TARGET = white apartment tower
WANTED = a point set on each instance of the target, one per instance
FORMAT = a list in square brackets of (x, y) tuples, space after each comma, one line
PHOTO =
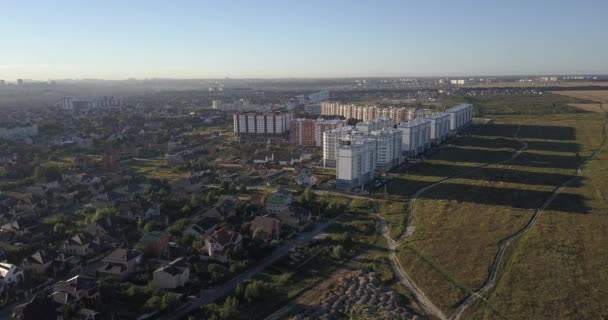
[(440, 126), (261, 123), (388, 148), (460, 116), (356, 163)]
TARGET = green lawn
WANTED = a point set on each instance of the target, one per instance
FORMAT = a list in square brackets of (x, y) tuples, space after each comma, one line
[(156, 169)]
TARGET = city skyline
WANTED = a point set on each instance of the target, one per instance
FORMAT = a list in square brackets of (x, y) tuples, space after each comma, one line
[(211, 40)]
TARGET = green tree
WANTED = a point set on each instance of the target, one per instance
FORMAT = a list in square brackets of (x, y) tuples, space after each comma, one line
[(337, 252), (59, 228), (153, 226), (254, 291), (168, 301), (230, 308)]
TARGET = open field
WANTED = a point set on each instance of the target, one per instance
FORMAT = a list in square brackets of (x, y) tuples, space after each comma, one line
[(558, 270), (459, 224), (601, 96), (518, 104), (156, 169)]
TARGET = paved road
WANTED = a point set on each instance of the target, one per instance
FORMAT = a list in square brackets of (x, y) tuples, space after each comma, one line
[(211, 295), (507, 242)]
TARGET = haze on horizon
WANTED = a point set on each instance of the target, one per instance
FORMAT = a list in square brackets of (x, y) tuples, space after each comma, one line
[(306, 39)]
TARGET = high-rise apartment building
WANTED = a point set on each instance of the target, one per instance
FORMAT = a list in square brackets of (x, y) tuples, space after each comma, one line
[(302, 132), (356, 163), (389, 147), (261, 123), (460, 116), (440, 126)]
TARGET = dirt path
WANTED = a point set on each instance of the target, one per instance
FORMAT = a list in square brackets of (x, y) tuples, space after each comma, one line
[(420, 296), (507, 242)]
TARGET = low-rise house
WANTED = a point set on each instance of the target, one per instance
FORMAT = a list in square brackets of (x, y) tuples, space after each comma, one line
[(76, 289), (265, 227), (121, 262), (295, 217), (21, 226), (306, 179), (10, 274), (155, 243), (222, 241), (278, 201), (39, 263), (107, 229), (203, 228), (174, 275), (82, 244), (227, 177), (224, 208)]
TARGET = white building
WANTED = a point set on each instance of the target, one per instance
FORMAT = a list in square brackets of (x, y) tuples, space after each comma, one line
[(261, 123), (216, 104), (460, 116), (372, 125), (174, 275), (321, 126), (356, 162), (330, 144), (440, 126), (10, 274), (388, 148), (416, 136)]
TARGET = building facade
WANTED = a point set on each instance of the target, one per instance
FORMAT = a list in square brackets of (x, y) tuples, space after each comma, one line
[(440, 126), (356, 162), (388, 148), (302, 132), (261, 123), (460, 116)]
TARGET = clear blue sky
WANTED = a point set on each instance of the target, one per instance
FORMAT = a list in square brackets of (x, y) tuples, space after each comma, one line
[(305, 38)]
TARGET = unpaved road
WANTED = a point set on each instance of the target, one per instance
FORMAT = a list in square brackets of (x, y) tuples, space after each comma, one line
[(507, 242)]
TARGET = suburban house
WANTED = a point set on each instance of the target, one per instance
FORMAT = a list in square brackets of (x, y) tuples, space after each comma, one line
[(265, 227), (75, 289), (225, 207), (21, 226), (174, 275), (155, 243), (104, 228), (82, 244), (203, 227), (121, 262), (39, 263), (295, 217), (223, 240), (10, 274), (278, 200)]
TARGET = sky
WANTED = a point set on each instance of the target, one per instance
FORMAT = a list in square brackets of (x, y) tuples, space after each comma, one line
[(306, 38)]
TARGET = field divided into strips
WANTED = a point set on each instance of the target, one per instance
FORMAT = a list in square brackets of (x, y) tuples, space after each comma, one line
[(558, 270), (460, 223), (599, 96)]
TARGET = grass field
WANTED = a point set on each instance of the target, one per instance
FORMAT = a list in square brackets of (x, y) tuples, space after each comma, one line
[(156, 169), (533, 104), (599, 96), (460, 223), (558, 270)]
